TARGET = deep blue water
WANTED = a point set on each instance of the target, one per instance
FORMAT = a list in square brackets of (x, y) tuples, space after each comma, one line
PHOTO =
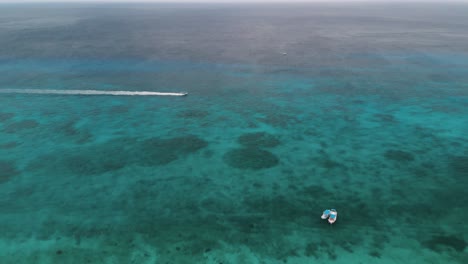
[(292, 109)]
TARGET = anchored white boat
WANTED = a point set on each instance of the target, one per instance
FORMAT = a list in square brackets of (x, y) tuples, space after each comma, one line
[(331, 215)]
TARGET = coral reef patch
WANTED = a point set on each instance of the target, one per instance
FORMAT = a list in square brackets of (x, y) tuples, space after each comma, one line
[(250, 158), (259, 139), (440, 243), (7, 170), (118, 153), (398, 155), (6, 116), (20, 125)]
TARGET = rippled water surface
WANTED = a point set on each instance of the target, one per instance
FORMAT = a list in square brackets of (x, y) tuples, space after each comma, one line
[(292, 109)]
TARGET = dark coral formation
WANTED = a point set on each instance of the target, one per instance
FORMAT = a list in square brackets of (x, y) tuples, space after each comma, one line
[(156, 151), (399, 155), (96, 159), (6, 116), (100, 162), (20, 125), (252, 155), (375, 254), (7, 170), (440, 243), (386, 118), (193, 114), (459, 165), (9, 145), (119, 109), (259, 140), (330, 164), (250, 158), (80, 136), (118, 153), (278, 120)]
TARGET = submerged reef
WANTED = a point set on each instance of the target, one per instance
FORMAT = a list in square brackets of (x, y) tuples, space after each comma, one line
[(9, 145), (278, 120), (198, 114), (440, 243), (7, 170), (156, 151), (118, 153), (252, 155), (20, 125), (259, 139), (459, 165), (250, 158), (6, 116), (398, 155)]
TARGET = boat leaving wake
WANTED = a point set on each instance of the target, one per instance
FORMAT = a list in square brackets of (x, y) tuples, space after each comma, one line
[(89, 92)]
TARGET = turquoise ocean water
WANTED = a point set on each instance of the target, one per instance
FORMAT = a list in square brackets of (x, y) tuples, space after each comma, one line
[(291, 110)]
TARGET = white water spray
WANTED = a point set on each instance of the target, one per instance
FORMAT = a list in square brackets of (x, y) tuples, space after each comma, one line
[(89, 92)]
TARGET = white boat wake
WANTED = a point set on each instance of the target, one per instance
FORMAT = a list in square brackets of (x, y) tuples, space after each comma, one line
[(89, 92)]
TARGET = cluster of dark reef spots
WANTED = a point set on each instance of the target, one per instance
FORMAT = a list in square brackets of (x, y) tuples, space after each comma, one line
[(116, 154), (182, 240), (280, 250), (101, 163), (315, 191), (455, 194), (119, 109), (441, 243), (386, 118), (94, 159), (312, 249), (218, 204), (100, 158), (378, 244), (81, 165), (320, 249), (20, 126), (250, 228), (278, 120), (192, 114), (156, 151), (283, 209), (9, 145), (250, 158), (375, 253), (6, 116), (7, 170), (259, 140), (459, 165), (398, 155), (69, 129), (252, 155), (329, 164)]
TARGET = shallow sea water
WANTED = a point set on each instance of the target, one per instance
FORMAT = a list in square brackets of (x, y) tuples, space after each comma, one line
[(291, 110)]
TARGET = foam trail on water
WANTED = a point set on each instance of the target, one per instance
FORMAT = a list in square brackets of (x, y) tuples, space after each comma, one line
[(89, 92)]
